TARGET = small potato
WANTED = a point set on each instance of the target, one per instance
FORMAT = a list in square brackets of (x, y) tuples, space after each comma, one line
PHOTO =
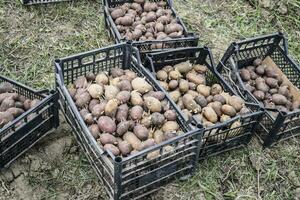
[(136, 112), (116, 72), (183, 86), (115, 81), (157, 94), (260, 70), (5, 118), (262, 86), (201, 100), (16, 112), (200, 68), (146, 121), (125, 148), (173, 84), (193, 93), (244, 110), (136, 99), (210, 114), (111, 92), (88, 119), (203, 90), (217, 107), (194, 78), (183, 67), (273, 91), (190, 104), (170, 115), (279, 99), (106, 138), (153, 155), (13, 96), (170, 135), (224, 118), (148, 143), (245, 74), (270, 72), (95, 131), (192, 86), (253, 75), (35, 102), (168, 68), (236, 102), (219, 98), (283, 90), (122, 128), (124, 85), (216, 89), (165, 105), (175, 95), (95, 91), (158, 136), (164, 85), (260, 95), (187, 114), (6, 104), (27, 104), (92, 103), (174, 75), (257, 62), (106, 124), (90, 76), (141, 85), (6, 87), (161, 75), (272, 82), (111, 107), (157, 119), (123, 96), (80, 82), (228, 110), (170, 126), (141, 132), (153, 104), (209, 99), (132, 75), (117, 13), (112, 148)]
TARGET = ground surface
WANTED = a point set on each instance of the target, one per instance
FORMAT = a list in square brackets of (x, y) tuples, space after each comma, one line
[(30, 39)]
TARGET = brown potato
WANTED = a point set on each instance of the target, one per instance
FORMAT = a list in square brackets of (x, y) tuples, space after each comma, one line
[(106, 124), (194, 78), (236, 102), (148, 143), (111, 92), (193, 93), (279, 99), (183, 86), (174, 75), (106, 138), (170, 115), (245, 74), (153, 104), (117, 13), (219, 98), (80, 82), (216, 89), (203, 90), (183, 67), (141, 85), (228, 110), (111, 107), (200, 68), (260, 95), (175, 95), (224, 118), (5, 118), (123, 96), (157, 119), (173, 84), (136, 99), (257, 62), (190, 104), (170, 126), (272, 82), (95, 131), (201, 100), (122, 127), (157, 94), (158, 136), (136, 112), (112, 148), (260, 70), (6, 104), (125, 148), (92, 103), (161, 75), (217, 107), (210, 114), (95, 91), (283, 90), (141, 132), (6, 87)]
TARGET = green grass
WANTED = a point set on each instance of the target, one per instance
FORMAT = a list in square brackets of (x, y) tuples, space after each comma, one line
[(32, 37)]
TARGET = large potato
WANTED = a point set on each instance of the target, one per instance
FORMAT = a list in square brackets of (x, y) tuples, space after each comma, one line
[(107, 124), (141, 85), (153, 104), (210, 114)]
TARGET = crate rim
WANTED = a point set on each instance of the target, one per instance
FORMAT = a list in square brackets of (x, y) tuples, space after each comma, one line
[(117, 159)]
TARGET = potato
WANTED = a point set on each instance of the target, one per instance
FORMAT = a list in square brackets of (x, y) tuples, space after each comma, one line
[(200, 100), (95, 90), (168, 68), (112, 148), (183, 85), (148, 143), (260, 95), (157, 119), (125, 148), (260, 70), (117, 13), (13, 96), (115, 81), (170, 115), (159, 27), (216, 89), (219, 98), (234, 126), (186, 114), (262, 86), (95, 131), (173, 84), (136, 113), (157, 94), (174, 75), (124, 85), (190, 104), (170, 28), (19, 104), (5, 118), (130, 74), (272, 82), (92, 103), (6, 87), (99, 109), (175, 95), (123, 96), (137, 7), (136, 99), (161, 75), (106, 124), (236, 102), (257, 62), (203, 90), (153, 104), (141, 85), (224, 118), (245, 74), (194, 78), (279, 99), (217, 107), (106, 138), (210, 114), (271, 72), (80, 82), (183, 67), (111, 107), (164, 20), (249, 87), (27, 104), (122, 127), (16, 112), (192, 86), (228, 110), (253, 75), (153, 155), (6, 104), (34, 103), (141, 132), (170, 126), (244, 110), (295, 105), (158, 136), (146, 121), (111, 92), (88, 118), (284, 90), (200, 68)]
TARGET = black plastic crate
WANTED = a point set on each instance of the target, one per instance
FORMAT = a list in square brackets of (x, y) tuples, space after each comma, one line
[(189, 39), (220, 137), (31, 2), (240, 54), (26, 130), (134, 176)]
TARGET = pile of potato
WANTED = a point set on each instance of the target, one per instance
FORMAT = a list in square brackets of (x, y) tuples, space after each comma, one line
[(144, 20), (188, 88), (123, 112), (267, 86), (12, 104)]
